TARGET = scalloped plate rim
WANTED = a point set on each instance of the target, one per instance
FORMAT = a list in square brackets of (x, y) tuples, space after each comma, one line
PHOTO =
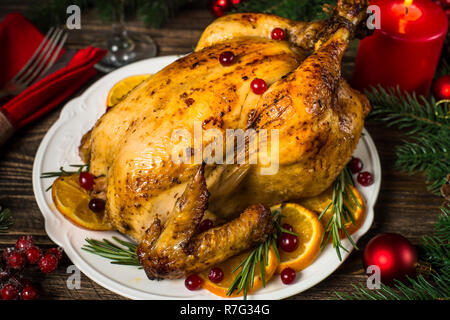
[(54, 222)]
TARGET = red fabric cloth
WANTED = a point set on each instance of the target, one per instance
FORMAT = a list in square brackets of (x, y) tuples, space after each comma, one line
[(50, 91)]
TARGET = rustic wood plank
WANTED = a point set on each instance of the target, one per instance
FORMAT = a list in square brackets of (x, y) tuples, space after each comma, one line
[(404, 205)]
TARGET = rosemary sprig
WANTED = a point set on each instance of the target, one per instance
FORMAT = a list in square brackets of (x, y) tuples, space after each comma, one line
[(341, 214), (123, 253), (244, 279), (6, 219), (62, 172)]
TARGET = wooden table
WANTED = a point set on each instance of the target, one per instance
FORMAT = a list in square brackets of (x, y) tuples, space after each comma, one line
[(404, 205)]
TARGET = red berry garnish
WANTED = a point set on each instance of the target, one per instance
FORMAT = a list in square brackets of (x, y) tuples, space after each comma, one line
[(16, 260), (355, 165), (258, 86), (97, 205), (48, 263), (57, 252), (10, 292), (277, 34), (29, 293), (288, 242), (287, 227), (365, 178), (226, 58), (24, 243), (215, 275), (288, 275), (193, 282), (86, 180), (33, 254), (206, 225)]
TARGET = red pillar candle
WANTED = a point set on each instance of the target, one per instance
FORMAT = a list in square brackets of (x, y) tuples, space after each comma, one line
[(405, 50)]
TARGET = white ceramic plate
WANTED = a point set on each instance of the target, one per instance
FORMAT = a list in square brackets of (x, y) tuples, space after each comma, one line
[(60, 148)]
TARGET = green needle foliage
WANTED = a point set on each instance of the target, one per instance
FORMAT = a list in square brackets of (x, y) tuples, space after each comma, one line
[(341, 213), (435, 250), (6, 220), (427, 128), (154, 13), (300, 10), (244, 279), (124, 252)]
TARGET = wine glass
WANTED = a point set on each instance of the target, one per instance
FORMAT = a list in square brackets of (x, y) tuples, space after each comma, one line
[(125, 46)]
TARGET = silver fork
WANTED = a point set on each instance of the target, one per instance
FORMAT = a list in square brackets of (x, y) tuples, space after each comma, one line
[(43, 58)]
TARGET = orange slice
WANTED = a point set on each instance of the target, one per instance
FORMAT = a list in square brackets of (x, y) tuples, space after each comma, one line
[(320, 202), (221, 288), (310, 232), (123, 87), (73, 202)]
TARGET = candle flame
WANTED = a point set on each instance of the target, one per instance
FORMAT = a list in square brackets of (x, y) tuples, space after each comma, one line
[(408, 3)]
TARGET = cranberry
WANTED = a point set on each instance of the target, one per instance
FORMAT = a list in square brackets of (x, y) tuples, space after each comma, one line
[(288, 242), (33, 254), (287, 227), (193, 282), (29, 293), (215, 275), (86, 180), (24, 243), (57, 252), (258, 86), (97, 205), (9, 292), (355, 165), (48, 263), (365, 178), (288, 275), (16, 260), (226, 58), (277, 34), (205, 225)]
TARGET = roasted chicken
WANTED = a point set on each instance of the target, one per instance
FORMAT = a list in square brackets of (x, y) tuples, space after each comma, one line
[(319, 119)]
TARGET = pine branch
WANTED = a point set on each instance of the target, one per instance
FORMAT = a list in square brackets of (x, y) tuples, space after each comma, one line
[(300, 10), (6, 220), (154, 13), (434, 249), (427, 127), (438, 287)]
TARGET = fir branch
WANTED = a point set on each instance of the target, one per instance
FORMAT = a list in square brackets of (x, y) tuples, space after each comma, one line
[(434, 249), (426, 124), (438, 287), (6, 220), (300, 10), (123, 253), (341, 214), (154, 13)]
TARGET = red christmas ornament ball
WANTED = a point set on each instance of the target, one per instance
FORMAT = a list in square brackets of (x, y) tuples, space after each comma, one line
[(441, 88), (393, 254), (220, 7)]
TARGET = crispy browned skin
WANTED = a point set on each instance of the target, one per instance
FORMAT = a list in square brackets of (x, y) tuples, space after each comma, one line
[(318, 115), (176, 250)]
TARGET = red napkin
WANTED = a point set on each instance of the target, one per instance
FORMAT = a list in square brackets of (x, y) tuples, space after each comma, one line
[(20, 39)]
